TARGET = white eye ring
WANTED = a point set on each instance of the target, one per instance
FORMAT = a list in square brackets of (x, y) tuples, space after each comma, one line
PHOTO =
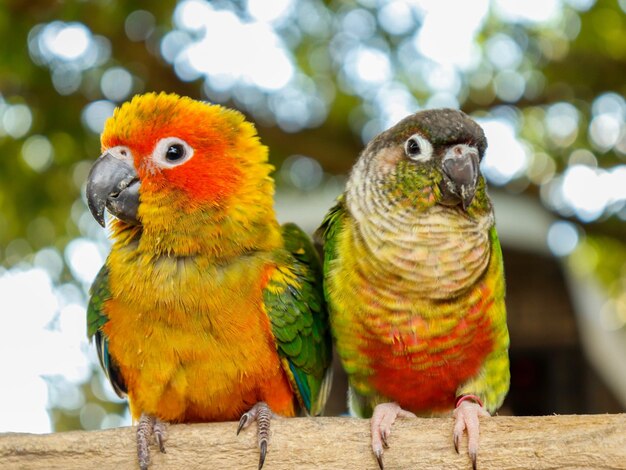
[(171, 152), (418, 148)]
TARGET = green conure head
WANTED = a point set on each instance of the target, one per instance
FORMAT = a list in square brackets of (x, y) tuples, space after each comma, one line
[(431, 157)]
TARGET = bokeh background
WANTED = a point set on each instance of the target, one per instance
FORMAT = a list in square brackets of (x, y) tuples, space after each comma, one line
[(545, 78)]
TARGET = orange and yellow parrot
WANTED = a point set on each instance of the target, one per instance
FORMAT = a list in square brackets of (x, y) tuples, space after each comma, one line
[(414, 279), (206, 309)]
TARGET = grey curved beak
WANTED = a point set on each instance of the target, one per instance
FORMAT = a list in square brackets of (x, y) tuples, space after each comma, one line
[(460, 169), (113, 184)]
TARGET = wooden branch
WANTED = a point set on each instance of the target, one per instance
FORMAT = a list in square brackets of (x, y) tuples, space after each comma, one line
[(550, 442)]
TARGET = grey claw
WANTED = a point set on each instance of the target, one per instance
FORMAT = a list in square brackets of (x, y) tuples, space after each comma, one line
[(263, 447), (242, 422), (159, 441), (456, 443), (383, 436), (379, 458), (159, 435), (473, 457)]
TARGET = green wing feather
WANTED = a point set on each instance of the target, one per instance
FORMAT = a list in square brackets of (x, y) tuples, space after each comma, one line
[(326, 235), (297, 311), (96, 319)]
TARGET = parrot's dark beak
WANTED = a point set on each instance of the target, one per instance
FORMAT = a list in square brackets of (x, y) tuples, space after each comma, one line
[(460, 175), (113, 183)]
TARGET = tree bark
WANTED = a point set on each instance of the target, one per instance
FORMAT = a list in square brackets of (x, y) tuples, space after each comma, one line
[(549, 442)]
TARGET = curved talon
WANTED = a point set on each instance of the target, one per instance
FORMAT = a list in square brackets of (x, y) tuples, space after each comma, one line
[(263, 447), (242, 422), (147, 427), (467, 416), (379, 458), (383, 417), (262, 414), (159, 441), (159, 434)]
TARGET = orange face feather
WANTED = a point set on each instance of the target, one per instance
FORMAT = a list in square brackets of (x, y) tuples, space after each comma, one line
[(195, 205), (220, 138)]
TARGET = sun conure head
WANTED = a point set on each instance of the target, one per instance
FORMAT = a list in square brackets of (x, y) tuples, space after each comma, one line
[(431, 157), (163, 147)]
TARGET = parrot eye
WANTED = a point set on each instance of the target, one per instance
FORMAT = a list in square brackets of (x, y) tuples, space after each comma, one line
[(417, 148), (171, 152), (412, 147), (175, 153)]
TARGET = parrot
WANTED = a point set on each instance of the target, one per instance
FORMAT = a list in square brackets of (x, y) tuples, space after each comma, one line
[(414, 279), (206, 309)]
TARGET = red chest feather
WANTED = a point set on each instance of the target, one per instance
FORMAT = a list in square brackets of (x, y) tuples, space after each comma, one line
[(422, 373)]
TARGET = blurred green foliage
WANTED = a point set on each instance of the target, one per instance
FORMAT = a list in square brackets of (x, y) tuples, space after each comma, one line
[(574, 61), (35, 206)]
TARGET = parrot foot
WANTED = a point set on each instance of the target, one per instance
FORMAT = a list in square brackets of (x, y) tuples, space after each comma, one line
[(262, 414), (467, 418), (147, 427), (382, 419)]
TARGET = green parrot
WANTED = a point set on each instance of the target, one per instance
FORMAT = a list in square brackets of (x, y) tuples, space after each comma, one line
[(414, 279)]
